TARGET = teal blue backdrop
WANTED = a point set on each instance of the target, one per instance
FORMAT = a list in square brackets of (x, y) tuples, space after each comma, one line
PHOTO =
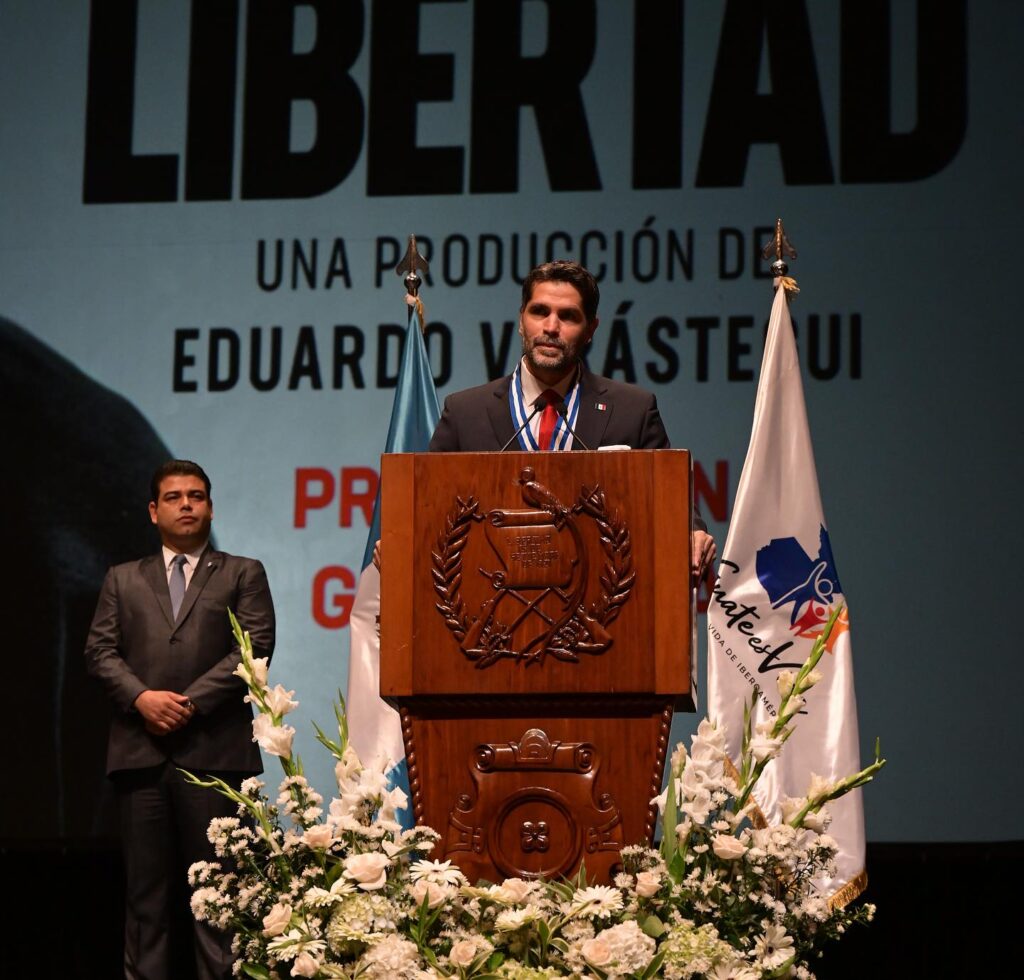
[(200, 207)]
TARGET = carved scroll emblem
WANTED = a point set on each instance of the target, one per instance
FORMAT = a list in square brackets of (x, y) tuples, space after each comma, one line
[(534, 812), (535, 577)]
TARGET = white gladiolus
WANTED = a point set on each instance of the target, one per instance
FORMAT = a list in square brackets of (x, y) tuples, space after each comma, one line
[(348, 766), (811, 679), (785, 681), (275, 739), (818, 822), (764, 747), (820, 786), (260, 668), (280, 702)]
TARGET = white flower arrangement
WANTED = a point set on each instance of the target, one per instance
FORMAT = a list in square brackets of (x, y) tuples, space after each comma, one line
[(350, 894)]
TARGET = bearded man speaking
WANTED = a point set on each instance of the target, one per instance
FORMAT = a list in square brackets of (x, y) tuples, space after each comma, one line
[(552, 401)]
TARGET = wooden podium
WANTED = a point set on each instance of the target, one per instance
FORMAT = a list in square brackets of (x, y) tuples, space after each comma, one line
[(536, 635)]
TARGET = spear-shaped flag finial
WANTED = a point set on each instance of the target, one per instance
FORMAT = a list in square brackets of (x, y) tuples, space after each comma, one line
[(411, 264), (779, 246)]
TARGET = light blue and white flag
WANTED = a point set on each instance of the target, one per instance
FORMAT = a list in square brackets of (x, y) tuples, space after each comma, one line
[(374, 727)]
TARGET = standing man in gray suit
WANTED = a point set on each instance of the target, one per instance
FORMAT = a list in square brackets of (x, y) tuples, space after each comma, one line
[(161, 646), (552, 400)]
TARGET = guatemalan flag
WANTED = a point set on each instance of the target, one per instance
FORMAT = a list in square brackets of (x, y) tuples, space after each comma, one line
[(374, 728), (776, 589)]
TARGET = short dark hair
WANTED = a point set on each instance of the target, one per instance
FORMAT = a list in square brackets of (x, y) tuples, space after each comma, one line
[(176, 467), (564, 271)]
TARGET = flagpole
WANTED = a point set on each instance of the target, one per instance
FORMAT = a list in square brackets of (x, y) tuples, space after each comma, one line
[(374, 726)]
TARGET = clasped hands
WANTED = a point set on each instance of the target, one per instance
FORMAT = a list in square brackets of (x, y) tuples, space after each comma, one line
[(164, 711)]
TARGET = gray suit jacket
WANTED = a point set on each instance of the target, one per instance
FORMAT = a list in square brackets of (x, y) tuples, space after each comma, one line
[(135, 645)]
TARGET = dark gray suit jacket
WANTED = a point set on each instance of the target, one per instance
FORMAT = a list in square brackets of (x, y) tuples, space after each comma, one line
[(611, 413), (135, 645)]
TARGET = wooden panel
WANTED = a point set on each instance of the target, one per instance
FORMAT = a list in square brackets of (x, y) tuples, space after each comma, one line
[(535, 633), (673, 604), (613, 650), (590, 809)]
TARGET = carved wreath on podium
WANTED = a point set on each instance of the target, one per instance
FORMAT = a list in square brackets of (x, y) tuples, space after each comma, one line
[(538, 578)]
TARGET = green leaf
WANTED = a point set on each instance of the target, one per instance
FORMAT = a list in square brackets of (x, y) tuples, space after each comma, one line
[(333, 747), (235, 626), (562, 890), (654, 966), (581, 877), (677, 869), (653, 926), (334, 871), (256, 971)]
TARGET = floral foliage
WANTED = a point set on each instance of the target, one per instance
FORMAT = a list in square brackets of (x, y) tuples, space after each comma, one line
[(348, 893)]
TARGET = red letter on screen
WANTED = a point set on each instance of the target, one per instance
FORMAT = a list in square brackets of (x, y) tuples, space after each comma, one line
[(331, 605), (306, 497), (358, 490)]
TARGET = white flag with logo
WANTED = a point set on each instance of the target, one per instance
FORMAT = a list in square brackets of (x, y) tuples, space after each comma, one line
[(776, 590)]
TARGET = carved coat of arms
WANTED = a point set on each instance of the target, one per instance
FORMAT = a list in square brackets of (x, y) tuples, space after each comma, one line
[(535, 574)]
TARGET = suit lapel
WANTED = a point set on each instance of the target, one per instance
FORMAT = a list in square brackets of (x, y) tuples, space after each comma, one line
[(206, 566), (155, 574), (499, 413), (592, 421)]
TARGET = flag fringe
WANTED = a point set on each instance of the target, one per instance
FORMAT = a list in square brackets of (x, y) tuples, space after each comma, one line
[(853, 888)]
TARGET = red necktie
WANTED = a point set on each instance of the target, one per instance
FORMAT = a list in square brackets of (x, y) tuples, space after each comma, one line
[(548, 418)]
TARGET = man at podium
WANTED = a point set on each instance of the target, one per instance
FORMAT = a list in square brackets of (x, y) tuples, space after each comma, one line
[(552, 401)]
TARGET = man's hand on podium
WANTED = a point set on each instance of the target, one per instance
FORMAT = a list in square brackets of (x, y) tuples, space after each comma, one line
[(703, 552), (376, 554)]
